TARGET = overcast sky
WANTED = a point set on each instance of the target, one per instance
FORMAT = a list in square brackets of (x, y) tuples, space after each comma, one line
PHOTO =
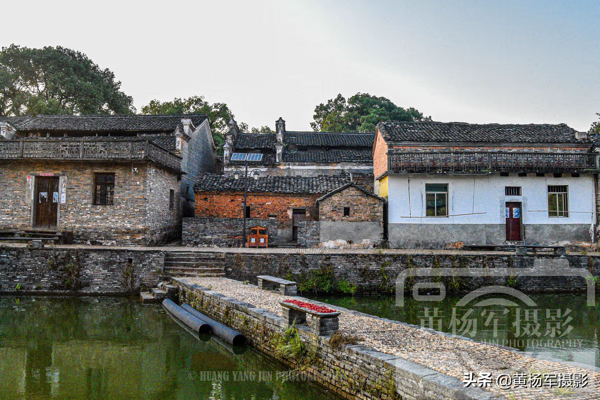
[(475, 61)]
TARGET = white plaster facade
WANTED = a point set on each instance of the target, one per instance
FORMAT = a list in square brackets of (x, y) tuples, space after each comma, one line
[(476, 209)]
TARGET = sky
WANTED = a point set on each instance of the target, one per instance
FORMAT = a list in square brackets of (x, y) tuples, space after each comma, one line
[(478, 61)]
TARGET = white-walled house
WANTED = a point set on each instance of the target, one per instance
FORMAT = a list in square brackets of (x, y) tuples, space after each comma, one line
[(485, 184)]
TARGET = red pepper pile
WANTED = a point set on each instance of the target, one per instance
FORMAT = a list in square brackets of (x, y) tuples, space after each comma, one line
[(310, 306)]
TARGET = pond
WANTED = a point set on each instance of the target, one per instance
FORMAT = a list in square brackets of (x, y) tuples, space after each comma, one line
[(559, 326), (117, 348)]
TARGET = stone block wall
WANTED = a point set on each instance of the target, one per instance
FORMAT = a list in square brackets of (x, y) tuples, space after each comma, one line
[(163, 222), (377, 273), (223, 232), (362, 207), (136, 217), (91, 271), (309, 233)]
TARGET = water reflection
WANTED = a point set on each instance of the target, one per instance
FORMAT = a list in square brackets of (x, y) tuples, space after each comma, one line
[(114, 348), (563, 326)]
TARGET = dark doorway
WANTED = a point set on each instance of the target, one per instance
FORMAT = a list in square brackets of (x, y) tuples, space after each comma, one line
[(46, 202), (513, 221), (298, 214)]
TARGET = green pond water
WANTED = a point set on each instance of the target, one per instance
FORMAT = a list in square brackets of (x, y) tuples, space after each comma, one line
[(117, 348), (559, 326)]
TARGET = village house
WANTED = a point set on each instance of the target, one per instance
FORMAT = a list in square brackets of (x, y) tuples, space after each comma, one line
[(351, 213), (486, 184), (294, 153), (101, 179), (280, 203)]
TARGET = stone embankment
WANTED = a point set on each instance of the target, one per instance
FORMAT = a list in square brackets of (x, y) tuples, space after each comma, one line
[(388, 360)]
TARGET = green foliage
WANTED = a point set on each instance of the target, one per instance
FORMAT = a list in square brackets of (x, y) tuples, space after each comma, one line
[(346, 287), (57, 80), (360, 113), (69, 268), (318, 281), (595, 128), (128, 275), (289, 344), (341, 338), (219, 115), (18, 287)]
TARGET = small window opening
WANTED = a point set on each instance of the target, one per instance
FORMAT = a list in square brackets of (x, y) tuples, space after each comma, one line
[(171, 199), (512, 191), (346, 211), (247, 211)]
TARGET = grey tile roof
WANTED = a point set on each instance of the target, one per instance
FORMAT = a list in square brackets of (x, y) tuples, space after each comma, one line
[(272, 184), (346, 186), (330, 139), (488, 133), (166, 142), (329, 156), (245, 141), (102, 123)]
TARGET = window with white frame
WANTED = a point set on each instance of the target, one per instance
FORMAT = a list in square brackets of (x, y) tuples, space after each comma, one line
[(436, 199), (558, 201)]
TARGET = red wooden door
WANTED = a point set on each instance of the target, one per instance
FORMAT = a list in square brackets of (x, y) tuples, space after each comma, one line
[(513, 221), (46, 202)]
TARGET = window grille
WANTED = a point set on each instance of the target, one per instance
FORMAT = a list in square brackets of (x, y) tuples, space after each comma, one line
[(512, 191), (104, 189), (558, 201), (436, 199)]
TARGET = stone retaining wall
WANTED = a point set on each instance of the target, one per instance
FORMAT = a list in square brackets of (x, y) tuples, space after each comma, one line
[(352, 371), (78, 271), (377, 273)]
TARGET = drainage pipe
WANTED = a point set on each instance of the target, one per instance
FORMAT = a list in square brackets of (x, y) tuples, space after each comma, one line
[(193, 322), (222, 331)]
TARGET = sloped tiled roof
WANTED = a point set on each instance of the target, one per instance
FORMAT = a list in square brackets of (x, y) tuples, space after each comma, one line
[(272, 184), (254, 141), (488, 133), (346, 186), (328, 156), (330, 139), (166, 142), (102, 123)]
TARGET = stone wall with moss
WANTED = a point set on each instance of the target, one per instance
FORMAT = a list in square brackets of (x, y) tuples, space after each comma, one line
[(348, 273), (78, 271), (353, 371)]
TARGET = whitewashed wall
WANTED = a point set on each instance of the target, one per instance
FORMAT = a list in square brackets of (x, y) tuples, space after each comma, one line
[(485, 194)]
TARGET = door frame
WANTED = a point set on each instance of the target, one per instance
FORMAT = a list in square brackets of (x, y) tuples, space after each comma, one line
[(34, 193), (516, 204)]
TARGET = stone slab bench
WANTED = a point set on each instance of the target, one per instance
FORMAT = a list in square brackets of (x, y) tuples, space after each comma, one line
[(320, 324), (285, 287), (523, 250)]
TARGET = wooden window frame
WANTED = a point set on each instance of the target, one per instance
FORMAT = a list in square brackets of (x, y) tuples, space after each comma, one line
[(436, 194), (559, 195), (104, 192)]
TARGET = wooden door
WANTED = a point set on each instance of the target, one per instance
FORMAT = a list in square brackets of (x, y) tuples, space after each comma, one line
[(514, 212), (46, 202)]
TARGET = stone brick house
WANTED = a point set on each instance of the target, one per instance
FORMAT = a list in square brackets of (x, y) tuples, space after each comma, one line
[(295, 153), (488, 184), (351, 213), (105, 179), (286, 199)]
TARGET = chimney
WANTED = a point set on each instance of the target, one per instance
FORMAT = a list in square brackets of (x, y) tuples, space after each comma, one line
[(187, 125), (280, 129)]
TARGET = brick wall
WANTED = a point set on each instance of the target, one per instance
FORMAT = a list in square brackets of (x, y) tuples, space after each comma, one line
[(163, 223), (262, 206), (132, 219), (362, 207)]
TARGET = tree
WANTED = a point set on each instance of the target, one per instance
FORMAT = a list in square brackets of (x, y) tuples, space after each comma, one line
[(57, 80), (218, 114), (360, 113), (595, 128), (262, 129)]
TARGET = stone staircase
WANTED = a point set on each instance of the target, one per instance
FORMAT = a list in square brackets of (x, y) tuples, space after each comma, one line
[(194, 264), (159, 293)]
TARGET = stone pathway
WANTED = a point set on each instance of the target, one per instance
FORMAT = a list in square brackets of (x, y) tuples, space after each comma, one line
[(453, 356)]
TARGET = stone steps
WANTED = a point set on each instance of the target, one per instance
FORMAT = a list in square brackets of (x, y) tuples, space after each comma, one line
[(158, 294), (191, 264)]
